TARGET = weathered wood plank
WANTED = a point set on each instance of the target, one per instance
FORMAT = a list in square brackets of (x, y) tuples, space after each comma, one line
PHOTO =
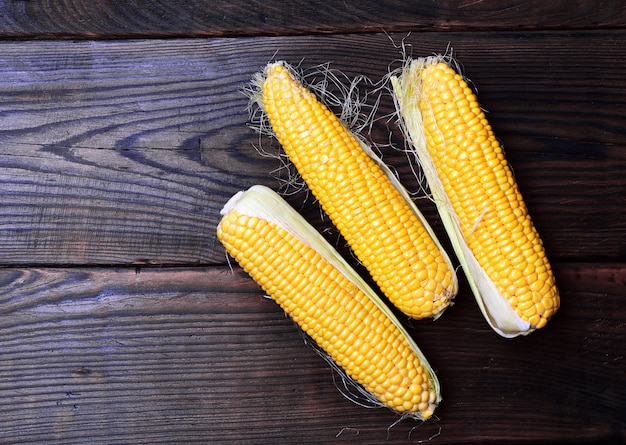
[(107, 18), (197, 355), (124, 152)]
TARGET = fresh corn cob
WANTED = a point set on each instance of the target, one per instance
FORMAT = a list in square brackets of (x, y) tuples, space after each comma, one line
[(361, 196), (306, 276), (477, 197)]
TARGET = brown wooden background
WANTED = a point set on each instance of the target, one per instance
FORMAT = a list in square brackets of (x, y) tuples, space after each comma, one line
[(123, 130)]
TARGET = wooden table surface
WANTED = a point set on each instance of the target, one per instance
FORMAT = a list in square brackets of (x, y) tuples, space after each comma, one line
[(123, 131)]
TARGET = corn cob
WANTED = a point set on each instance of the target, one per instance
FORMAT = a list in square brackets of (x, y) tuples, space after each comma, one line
[(477, 197), (361, 196), (305, 275)]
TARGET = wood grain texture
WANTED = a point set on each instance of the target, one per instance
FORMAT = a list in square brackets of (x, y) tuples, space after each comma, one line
[(159, 18), (197, 355), (124, 152), (123, 130)]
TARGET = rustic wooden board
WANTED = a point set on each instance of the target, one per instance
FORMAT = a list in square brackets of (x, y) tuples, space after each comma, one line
[(198, 355), (149, 18), (117, 154), (124, 152)]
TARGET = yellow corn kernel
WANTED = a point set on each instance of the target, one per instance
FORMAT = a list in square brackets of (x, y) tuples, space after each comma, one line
[(361, 196), (477, 196), (328, 300)]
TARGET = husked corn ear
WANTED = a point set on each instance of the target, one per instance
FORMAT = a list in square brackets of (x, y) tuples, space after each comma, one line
[(477, 197), (302, 272), (361, 196)]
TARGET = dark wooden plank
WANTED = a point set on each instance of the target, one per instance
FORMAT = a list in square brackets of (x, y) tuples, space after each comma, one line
[(108, 18), (124, 152), (178, 355)]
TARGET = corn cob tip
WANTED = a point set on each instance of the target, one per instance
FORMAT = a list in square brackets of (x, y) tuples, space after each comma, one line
[(275, 68)]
